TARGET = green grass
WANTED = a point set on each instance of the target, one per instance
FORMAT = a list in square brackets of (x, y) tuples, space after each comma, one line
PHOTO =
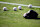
[(12, 18), (26, 2)]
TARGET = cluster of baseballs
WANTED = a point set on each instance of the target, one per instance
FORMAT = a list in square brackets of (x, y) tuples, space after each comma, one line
[(15, 8)]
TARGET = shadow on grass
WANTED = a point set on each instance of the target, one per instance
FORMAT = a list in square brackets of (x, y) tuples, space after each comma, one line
[(6, 10), (21, 9), (32, 18), (32, 8)]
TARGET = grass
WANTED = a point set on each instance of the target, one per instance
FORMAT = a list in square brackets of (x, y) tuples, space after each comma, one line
[(26, 2), (12, 18)]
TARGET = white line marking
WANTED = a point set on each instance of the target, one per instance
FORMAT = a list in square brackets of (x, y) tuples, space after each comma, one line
[(17, 4)]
